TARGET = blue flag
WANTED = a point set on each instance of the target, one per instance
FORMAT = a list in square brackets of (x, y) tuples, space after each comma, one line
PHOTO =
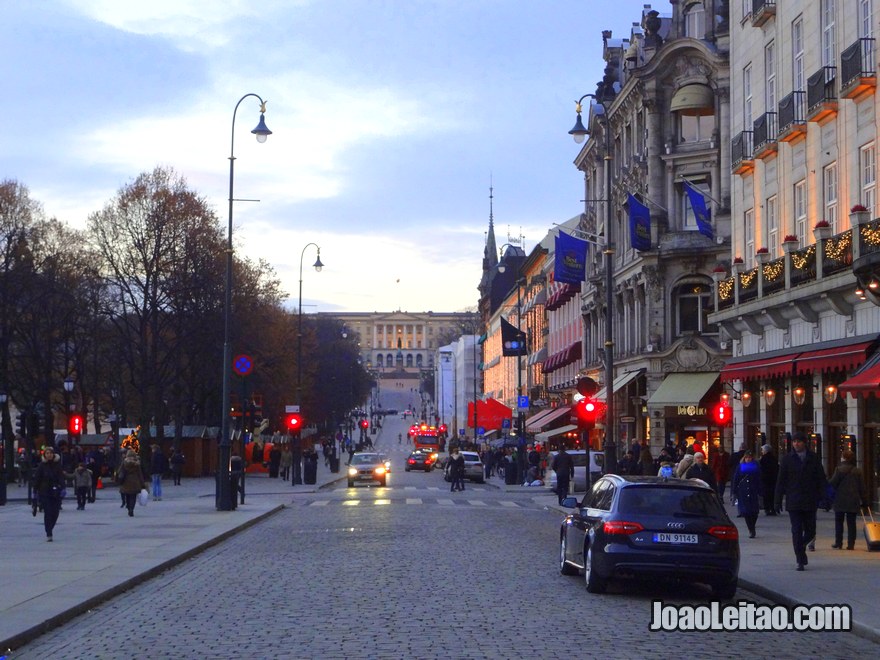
[(639, 224), (701, 213), (570, 259)]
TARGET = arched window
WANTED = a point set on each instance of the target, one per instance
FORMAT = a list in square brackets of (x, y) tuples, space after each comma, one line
[(409, 362), (380, 361), (695, 20), (419, 360), (692, 301)]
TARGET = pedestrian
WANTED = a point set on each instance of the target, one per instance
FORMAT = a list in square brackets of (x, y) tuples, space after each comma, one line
[(685, 463), (646, 461), (456, 471), (563, 466), (700, 470), (849, 495), (735, 458), (95, 464), (628, 464), (801, 481), (769, 470), (286, 462), (720, 465), (158, 467), (82, 485), (131, 480), (274, 461), (177, 462), (48, 484), (747, 486)]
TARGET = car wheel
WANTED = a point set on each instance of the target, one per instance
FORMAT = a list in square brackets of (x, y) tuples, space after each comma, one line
[(725, 590), (564, 567), (350, 483), (595, 584)]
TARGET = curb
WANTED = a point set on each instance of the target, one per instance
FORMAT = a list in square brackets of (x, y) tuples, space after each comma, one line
[(31, 634)]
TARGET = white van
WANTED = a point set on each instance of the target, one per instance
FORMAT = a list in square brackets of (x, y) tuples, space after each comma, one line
[(579, 457)]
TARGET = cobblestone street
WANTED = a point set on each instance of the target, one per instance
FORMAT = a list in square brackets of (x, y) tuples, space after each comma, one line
[(389, 579)]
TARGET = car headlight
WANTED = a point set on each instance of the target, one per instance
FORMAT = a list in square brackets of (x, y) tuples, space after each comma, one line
[(380, 469), (352, 471)]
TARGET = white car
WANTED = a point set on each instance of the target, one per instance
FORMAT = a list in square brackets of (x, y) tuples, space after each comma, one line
[(473, 468), (579, 457)]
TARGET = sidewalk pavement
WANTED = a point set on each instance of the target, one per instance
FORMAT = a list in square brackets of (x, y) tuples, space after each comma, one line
[(767, 564), (101, 552)]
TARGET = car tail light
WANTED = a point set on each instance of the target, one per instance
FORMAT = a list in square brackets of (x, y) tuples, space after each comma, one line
[(412, 461), (724, 532), (621, 527)]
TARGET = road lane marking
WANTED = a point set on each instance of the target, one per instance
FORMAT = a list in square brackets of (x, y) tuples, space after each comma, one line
[(413, 500), (351, 502), (448, 502), (319, 503), (477, 502), (509, 503), (381, 502)]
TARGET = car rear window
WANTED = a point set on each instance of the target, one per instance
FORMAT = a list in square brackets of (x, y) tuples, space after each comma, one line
[(685, 502)]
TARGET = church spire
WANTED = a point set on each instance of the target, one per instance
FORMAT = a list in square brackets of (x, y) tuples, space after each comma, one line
[(490, 254)]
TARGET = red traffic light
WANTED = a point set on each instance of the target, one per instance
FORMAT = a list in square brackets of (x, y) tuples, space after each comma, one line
[(364, 424), (589, 410), (442, 428), (293, 421), (722, 414), (75, 424)]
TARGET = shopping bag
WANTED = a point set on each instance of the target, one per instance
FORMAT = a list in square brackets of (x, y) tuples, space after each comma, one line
[(143, 497)]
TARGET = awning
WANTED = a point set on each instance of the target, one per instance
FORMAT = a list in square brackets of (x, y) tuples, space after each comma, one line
[(533, 422), (693, 100), (780, 365), (683, 389), (542, 437), (555, 414), (866, 380), (841, 358), (540, 356), (619, 383), (488, 435)]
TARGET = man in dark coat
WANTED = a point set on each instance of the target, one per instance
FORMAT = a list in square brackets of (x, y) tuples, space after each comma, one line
[(700, 470), (563, 465), (769, 469), (801, 480)]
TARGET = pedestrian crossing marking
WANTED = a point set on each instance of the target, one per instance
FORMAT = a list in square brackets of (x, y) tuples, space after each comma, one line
[(445, 502), (319, 503), (351, 502), (509, 503), (477, 502), (381, 502), (413, 500)]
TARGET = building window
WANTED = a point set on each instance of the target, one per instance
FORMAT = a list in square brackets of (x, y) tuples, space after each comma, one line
[(419, 360), (746, 8), (695, 129), (770, 75), (868, 176), (689, 220), (800, 211), (772, 227), (866, 29), (749, 238), (409, 360), (829, 185), (829, 38), (747, 98), (693, 303), (797, 54), (380, 360), (389, 360), (695, 21)]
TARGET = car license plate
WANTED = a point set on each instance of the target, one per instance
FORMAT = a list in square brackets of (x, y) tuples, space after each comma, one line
[(672, 537)]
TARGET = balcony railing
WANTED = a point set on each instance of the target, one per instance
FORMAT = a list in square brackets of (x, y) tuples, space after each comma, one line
[(741, 153), (821, 94), (858, 73), (792, 117), (869, 237), (748, 285), (764, 135), (762, 11), (837, 253), (773, 273)]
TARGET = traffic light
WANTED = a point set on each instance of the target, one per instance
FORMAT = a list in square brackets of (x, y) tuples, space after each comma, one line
[(589, 410), (293, 421), (21, 423), (364, 424), (722, 414), (75, 423)]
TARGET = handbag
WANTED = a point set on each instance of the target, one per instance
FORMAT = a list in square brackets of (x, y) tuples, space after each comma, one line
[(143, 497)]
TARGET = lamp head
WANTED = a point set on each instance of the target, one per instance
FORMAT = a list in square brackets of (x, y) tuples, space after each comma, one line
[(262, 131), (318, 264), (579, 132)]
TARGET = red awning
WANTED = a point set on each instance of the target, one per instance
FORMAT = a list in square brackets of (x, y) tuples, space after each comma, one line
[(555, 414), (842, 358), (866, 380), (781, 365), (490, 413)]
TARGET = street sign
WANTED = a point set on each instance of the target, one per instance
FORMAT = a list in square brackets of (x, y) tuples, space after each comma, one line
[(242, 364), (505, 423), (522, 402), (291, 408), (481, 430)]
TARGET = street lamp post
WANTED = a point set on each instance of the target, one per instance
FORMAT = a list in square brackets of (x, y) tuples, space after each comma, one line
[(8, 453), (296, 472), (224, 495), (69, 384), (579, 132), (114, 429)]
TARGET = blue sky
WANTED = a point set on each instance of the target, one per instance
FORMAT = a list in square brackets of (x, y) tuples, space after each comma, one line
[(389, 119)]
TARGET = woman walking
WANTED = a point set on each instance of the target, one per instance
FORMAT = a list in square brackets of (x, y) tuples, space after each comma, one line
[(746, 486), (850, 494), (131, 480), (48, 483)]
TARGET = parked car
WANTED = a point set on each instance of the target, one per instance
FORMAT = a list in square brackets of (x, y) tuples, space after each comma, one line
[(474, 470), (421, 460), (367, 466), (579, 457), (650, 527)]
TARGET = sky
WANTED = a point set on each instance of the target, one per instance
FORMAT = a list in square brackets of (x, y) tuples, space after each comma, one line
[(390, 120)]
